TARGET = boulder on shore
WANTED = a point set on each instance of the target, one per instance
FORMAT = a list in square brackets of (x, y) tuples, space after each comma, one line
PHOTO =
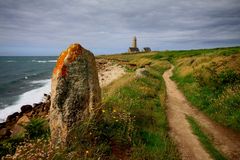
[(75, 92), (26, 108)]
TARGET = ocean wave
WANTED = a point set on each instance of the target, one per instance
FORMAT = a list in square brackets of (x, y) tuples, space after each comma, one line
[(40, 81), (10, 61), (45, 61), (27, 78), (30, 97)]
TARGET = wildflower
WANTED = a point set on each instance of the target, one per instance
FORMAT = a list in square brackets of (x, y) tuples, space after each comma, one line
[(87, 151), (114, 110), (103, 111)]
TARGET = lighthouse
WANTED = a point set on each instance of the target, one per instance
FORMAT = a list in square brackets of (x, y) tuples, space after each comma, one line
[(133, 48), (134, 42)]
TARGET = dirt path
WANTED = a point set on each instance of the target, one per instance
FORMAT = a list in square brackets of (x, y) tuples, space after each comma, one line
[(189, 146)]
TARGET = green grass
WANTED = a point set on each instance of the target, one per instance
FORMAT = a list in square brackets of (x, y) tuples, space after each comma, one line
[(205, 140), (173, 55), (217, 95)]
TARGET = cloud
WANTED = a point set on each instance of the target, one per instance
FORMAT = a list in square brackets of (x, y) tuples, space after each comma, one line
[(32, 27)]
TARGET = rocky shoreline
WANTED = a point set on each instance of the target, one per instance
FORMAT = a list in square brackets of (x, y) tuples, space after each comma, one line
[(12, 125)]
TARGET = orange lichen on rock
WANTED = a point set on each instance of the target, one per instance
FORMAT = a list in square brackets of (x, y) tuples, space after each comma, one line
[(60, 62), (74, 51), (65, 58)]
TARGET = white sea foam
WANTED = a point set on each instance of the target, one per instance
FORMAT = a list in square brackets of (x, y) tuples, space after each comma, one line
[(53, 61), (48, 61), (30, 97)]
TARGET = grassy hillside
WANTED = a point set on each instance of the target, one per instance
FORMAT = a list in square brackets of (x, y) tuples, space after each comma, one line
[(210, 79)]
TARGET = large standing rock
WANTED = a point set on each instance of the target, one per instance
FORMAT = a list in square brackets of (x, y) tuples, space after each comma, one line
[(74, 94)]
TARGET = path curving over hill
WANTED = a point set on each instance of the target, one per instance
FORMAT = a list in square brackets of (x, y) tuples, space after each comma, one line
[(177, 108)]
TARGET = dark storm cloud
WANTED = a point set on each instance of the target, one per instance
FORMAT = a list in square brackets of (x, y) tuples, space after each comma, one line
[(33, 27)]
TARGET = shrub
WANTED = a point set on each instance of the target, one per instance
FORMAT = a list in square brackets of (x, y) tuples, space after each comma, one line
[(37, 128)]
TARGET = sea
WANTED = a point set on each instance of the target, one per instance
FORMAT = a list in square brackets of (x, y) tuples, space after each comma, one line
[(23, 80)]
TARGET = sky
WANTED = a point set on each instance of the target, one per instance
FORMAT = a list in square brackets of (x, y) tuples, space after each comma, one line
[(47, 27)]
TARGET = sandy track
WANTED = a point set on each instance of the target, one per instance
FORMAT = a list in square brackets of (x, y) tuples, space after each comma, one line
[(187, 143), (225, 139)]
